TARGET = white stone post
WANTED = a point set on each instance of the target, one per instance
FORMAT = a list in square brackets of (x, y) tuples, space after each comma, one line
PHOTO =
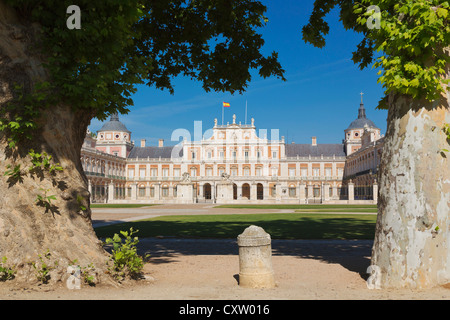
[(255, 259)]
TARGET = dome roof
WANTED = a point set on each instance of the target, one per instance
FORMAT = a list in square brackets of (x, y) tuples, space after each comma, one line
[(361, 121), (114, 124)]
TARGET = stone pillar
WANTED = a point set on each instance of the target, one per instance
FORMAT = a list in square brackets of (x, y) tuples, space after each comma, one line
[(157, 187), (326, 192), (224, 192), (201, 195), (110, 192), (351, 191), (185, 193), (335, 194), (255, 259), (253, 191), (310, 192), (90, 189), (134, 191), (278, 191), (375, 192), (301, 192), (239, 192), (213, 193)]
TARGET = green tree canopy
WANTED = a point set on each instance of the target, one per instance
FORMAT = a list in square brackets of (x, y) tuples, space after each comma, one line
[(122, 44), (408, 45)]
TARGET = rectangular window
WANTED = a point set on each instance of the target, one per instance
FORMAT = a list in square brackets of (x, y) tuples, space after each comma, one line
[(274, 171), (209, 172), (234, 171), (131, 173), (259, 171), (304, 172), (165, 191), (316, 172), (142, 173), (165, 172), (176, 172), (291, 172), (154, 172), (274, 155), (141, 192), (328, 172)]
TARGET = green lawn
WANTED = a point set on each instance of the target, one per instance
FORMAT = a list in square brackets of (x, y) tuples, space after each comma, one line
[(298, 206), (279, 226), (120, 205)]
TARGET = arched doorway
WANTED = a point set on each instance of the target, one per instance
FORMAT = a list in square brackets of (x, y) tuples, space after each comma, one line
[(259, 191), (207, 191), (234, 191), (246, 191)]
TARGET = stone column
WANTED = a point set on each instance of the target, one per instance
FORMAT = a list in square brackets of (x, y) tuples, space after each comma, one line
[(375, 192), (253, 191), (134, 191), (310, 192), (351, 191), (255, 259), (278, 191), (110, 192), (157, 187), (326, 192), (301, 192)]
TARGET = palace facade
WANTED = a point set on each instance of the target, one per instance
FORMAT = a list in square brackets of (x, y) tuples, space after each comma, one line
[(234, 164)]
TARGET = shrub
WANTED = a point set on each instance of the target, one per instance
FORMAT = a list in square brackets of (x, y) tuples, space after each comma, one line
[(126, 261)]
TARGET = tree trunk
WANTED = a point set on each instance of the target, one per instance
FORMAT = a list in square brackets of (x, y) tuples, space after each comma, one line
[(412, 242), (31, 228)]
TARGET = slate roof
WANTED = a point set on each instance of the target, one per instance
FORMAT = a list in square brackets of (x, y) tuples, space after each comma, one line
[(362, 120), (305, 150), (152, 152), (114, 125)]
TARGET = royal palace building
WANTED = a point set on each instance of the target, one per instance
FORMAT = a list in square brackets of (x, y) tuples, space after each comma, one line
[(234, 163)]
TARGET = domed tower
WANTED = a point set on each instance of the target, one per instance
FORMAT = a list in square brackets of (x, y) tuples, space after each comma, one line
[(356, 129), (114, 138)]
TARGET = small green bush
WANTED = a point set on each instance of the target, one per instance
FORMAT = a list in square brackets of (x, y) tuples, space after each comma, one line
[(126, 261), (6, 272)]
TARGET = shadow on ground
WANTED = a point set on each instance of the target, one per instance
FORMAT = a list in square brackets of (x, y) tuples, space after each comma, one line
[(165, 240), (353, 255)]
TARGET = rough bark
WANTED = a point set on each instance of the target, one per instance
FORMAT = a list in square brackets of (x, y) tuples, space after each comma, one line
[(412, 242), (28, 228)]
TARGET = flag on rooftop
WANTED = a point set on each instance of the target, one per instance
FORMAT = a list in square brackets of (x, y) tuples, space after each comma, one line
[(226, 104)]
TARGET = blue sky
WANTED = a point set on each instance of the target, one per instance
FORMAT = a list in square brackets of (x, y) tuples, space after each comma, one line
[(320, 97)]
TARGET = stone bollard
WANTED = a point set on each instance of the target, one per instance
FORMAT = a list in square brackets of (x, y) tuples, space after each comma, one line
[(255, 258)]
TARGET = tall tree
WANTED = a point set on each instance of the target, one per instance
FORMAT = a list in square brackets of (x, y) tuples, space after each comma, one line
[(54, 79), (409, 42)]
